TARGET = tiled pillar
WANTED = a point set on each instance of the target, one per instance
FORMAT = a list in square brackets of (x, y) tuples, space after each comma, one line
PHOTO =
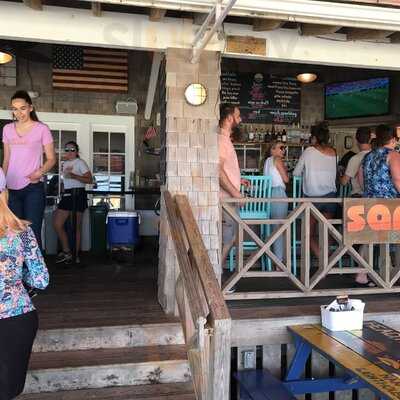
[(191, 159)]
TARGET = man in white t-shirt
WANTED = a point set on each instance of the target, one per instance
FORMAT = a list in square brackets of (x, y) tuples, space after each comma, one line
[(363, 137)]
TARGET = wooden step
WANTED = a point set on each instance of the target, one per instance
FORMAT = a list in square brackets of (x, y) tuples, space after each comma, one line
[(166, 391), (108, 337), (89, 369)]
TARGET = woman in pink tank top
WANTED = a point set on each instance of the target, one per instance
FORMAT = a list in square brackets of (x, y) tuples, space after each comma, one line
[(25, 140)]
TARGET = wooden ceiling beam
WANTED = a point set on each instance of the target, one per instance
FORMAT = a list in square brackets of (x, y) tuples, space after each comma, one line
[(199, 18), (34, 4), (367, 34), (395, 38), (265, 24), (157, 14), (96, 8), (317, 30), (394, 3)]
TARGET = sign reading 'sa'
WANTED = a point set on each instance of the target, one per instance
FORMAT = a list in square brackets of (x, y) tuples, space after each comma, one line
[(371, 221)]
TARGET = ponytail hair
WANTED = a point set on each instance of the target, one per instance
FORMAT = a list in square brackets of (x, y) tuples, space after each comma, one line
[(22, 94)]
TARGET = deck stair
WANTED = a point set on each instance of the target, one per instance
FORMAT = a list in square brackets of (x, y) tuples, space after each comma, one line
[(147, 361)]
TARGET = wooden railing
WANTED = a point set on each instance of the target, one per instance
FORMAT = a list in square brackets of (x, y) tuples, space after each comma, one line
[(204, 315), (335, 257)]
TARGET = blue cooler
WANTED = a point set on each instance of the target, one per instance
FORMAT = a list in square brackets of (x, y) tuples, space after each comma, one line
[(123, 228)]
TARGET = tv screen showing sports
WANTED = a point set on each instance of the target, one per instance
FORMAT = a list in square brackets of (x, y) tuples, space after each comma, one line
[(357, 98)]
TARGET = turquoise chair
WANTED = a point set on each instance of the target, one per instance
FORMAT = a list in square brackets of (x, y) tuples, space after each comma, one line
[(260, 187), (297, 190), (345, 191)]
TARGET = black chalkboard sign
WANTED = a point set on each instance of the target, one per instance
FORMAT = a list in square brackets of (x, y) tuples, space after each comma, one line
[(261, 98)]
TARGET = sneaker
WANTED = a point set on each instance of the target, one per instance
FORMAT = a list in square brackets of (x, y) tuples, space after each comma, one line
[(77, 260), (63, 257)]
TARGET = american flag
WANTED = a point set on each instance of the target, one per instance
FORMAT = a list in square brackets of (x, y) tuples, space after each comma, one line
[(96, 69)]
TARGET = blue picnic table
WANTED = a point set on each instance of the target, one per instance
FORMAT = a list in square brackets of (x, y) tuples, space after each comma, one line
[(370, 358)]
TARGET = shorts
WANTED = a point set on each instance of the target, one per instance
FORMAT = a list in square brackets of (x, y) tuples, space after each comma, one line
[(325, 208), (229, 228), (67, 198)]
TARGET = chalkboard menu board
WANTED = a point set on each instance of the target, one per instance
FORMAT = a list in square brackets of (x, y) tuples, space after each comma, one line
[(262, 99)]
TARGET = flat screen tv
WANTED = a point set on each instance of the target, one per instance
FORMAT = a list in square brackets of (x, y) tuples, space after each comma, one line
[(369, 97)]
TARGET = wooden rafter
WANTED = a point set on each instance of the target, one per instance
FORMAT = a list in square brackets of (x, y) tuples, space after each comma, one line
[(96, 8), (157, 14), (264, 24), (367, 34), (317, 30), (395, 38), (199, 18), (394, 3), (34, 4)]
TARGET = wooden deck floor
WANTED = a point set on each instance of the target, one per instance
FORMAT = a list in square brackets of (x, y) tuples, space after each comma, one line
[(111, 293), (103, 293)]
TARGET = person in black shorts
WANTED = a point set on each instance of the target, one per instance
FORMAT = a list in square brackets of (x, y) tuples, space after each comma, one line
[(75, 175)]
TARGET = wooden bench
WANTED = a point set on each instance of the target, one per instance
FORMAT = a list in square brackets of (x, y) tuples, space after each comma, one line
[(262, 385)]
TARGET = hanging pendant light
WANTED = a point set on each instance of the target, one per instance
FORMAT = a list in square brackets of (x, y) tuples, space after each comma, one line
[(306, 77), (5, 57)]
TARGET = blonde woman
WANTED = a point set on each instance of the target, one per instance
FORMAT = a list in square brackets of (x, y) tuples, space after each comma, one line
[(20, 262), (276, 169)]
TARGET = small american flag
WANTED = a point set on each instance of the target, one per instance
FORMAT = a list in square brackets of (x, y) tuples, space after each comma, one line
[(96, 69)]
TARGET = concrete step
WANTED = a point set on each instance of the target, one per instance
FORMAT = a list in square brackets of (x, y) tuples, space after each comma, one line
[(108, 337), (166, 391), (99, 368)]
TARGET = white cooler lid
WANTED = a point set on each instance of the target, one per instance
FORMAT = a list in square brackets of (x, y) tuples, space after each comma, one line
[(122, 214)]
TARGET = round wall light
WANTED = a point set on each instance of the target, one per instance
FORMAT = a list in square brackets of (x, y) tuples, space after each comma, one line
[(306, 77), (5, 57), (196, 94)]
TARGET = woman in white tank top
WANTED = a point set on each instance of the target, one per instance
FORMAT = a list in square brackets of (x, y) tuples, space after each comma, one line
[(317, 166), (276, 169)]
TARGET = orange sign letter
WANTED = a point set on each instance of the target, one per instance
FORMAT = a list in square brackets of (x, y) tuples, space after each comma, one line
[(357, 222), (379, 218)]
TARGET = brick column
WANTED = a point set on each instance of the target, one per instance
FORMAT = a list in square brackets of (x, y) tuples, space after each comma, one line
[(191, 159)]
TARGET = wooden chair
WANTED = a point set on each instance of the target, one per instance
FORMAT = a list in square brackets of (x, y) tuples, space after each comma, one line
[(260, 187)]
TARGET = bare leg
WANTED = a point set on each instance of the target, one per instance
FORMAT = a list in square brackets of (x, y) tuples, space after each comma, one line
[(225, 252), (314, 242), (59, 218), (362, 277)]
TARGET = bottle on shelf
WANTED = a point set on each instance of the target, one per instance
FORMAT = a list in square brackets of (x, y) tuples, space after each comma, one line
[(251, 134), (284, 136), (273, 134)]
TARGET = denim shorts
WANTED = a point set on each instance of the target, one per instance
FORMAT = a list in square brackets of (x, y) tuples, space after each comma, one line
[(325, 208)]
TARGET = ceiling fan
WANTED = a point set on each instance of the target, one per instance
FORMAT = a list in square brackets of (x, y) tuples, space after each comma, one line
[(23, 50)]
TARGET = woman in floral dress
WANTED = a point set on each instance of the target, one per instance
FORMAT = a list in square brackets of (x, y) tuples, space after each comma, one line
[(21, 262)]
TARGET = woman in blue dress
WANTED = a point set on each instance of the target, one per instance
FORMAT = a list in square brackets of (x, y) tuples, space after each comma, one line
[(379, 175), (21, 262)]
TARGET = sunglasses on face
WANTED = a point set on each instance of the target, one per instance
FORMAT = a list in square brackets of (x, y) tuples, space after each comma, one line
[(69, 149), (281, 148)]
